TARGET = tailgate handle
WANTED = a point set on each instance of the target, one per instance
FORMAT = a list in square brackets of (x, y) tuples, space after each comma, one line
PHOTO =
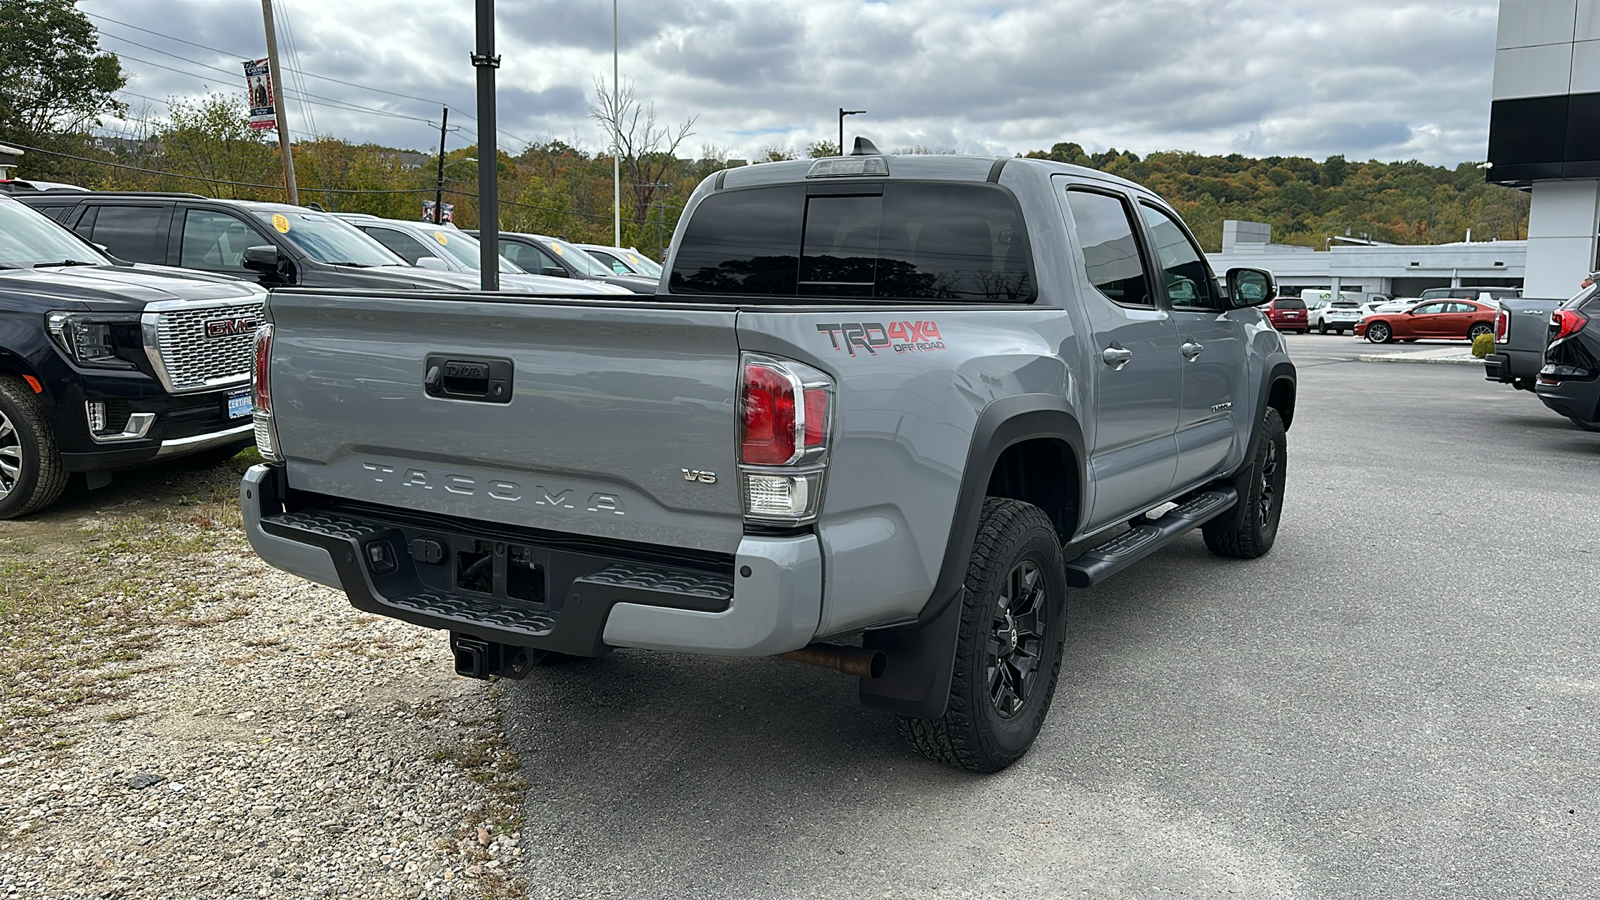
[(461, 378)]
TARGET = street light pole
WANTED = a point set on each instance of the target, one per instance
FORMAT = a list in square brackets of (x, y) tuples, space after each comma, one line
[(842, 113), (616, 138)]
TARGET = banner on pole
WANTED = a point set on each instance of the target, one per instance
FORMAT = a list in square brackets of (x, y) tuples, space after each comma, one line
[(258, 83)]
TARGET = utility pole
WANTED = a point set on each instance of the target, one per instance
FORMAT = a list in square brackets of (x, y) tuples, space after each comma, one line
[(438, 191), (279, 105), (616, 138), (485, 61), (842, 113)]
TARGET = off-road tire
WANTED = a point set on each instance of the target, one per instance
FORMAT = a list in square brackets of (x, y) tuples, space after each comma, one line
[(27, 442), (973, 733), (1263, 501)]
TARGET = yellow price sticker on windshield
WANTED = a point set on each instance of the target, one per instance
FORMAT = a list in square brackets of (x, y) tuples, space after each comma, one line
[(439, 236), (280, 222)]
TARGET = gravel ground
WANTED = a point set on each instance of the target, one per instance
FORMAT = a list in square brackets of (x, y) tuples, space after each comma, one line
[(267, 741)]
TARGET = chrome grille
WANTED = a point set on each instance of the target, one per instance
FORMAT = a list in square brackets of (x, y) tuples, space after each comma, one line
[(188, 356)]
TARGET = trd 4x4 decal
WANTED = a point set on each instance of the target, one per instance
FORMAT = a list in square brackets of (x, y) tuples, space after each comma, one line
[(900, 337)]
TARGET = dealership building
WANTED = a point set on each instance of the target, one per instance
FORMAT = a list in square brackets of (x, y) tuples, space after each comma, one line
[(1362, 269)]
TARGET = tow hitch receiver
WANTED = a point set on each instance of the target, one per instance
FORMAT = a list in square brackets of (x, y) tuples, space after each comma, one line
[(478, 658)]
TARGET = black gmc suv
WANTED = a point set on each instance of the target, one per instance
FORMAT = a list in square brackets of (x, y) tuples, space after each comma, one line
[(106, 365)]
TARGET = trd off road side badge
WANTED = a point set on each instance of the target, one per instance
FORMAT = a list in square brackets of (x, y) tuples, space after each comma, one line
[(898, 337)]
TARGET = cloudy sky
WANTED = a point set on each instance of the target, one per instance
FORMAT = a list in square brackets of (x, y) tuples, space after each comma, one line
[(1371, 79)]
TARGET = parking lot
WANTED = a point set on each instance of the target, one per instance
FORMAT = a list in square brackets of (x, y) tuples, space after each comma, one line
[(1399, 701)]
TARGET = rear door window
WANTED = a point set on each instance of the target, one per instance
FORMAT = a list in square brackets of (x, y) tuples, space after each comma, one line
[(133, 233), (1110, 251), (912, 240)]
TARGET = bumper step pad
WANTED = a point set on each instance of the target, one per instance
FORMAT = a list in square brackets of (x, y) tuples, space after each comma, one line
[(1111, 557)]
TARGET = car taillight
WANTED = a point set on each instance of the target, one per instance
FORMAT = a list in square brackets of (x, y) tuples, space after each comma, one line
[(261, 397), (784, 410), (1567, 322), (1502, 326)]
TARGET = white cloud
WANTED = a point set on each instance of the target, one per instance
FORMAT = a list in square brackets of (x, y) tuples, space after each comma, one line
[(1365, 78)]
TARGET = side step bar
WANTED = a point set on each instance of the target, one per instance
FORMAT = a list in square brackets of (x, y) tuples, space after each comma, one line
[(1111, 557)]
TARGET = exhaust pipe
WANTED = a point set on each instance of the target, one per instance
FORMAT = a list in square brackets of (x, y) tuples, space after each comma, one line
[(858, 662)]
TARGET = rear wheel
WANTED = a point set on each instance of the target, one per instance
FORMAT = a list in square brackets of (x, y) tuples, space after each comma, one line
[(31, 475), (1008, 649), (1379, 333), (1479, 329)]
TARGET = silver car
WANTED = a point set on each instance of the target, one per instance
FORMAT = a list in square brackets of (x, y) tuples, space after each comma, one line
[(445, 248)]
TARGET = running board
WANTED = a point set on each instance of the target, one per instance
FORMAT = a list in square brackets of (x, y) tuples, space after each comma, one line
[(1127, 548)]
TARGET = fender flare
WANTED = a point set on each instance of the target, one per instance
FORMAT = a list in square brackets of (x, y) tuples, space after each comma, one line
[(921, 657)]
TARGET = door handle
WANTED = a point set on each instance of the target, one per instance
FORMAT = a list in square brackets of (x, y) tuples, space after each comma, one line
[(1191, 350), (1116, 357)]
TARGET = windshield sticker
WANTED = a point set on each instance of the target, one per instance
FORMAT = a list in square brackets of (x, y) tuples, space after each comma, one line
[(280, 222), (898, 337), (439, 236)]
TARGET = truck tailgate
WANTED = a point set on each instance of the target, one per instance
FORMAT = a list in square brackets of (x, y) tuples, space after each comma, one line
[(596, 389)]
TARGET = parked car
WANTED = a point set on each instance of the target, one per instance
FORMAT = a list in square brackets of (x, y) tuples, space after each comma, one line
[(879, 434), (1521, 332), (1288, 314), (624, 260), (1460, 320), (274, 244), (553, 256), (1467, 292), (1337, 316), (106, 365), (449, 249), (1569, 382)]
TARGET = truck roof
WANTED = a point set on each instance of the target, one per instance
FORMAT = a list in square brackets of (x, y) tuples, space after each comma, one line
[(922, 166)]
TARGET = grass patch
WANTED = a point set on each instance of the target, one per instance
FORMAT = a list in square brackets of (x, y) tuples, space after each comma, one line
[(86, 585)]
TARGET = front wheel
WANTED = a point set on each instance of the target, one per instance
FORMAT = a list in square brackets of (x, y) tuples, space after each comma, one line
[(1263, 499), (1379, 333), (1479, 329), (1008, 649), (31, 475)]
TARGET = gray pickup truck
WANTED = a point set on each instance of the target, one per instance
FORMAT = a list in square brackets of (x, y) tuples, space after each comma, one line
[(874, 399)]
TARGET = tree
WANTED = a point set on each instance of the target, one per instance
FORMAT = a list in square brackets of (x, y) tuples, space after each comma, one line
[(646, 148), (53, 78)]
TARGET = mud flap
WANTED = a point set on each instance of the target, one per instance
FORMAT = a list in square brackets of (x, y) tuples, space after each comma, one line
[(920, 664)]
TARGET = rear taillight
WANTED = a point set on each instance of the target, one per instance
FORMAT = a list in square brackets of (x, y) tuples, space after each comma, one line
[(1566, 322), (1502, 326), (261, 397), (784, 410)]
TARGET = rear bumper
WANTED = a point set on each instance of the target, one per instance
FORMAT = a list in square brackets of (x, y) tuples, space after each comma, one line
[(582, 599)]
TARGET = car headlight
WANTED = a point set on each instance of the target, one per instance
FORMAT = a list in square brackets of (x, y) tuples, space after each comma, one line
[(87, 339)]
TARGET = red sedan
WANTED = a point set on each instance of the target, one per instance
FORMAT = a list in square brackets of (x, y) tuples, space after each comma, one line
[(1460, 320)]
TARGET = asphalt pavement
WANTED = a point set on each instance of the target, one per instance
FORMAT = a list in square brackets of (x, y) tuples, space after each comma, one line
[(1401, 700)]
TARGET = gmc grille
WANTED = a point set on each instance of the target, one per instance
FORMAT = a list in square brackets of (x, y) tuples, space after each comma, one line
[(201, 346)]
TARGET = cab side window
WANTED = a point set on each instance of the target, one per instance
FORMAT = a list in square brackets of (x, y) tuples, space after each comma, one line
[(1110, 250), (215, 241), (1183, 270), (408, 247)]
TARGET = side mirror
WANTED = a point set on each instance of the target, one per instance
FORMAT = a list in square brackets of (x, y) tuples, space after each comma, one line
[(1250, 287), (432, 262), (555, 271), (267, 262)]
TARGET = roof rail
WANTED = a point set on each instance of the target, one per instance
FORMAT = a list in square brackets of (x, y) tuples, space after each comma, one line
[(184, 194)]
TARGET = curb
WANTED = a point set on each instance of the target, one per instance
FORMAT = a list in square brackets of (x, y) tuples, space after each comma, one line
[(1419, 358)]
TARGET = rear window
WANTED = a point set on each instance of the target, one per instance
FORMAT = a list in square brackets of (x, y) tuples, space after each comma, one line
[(1287, 303), (909, 241)]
